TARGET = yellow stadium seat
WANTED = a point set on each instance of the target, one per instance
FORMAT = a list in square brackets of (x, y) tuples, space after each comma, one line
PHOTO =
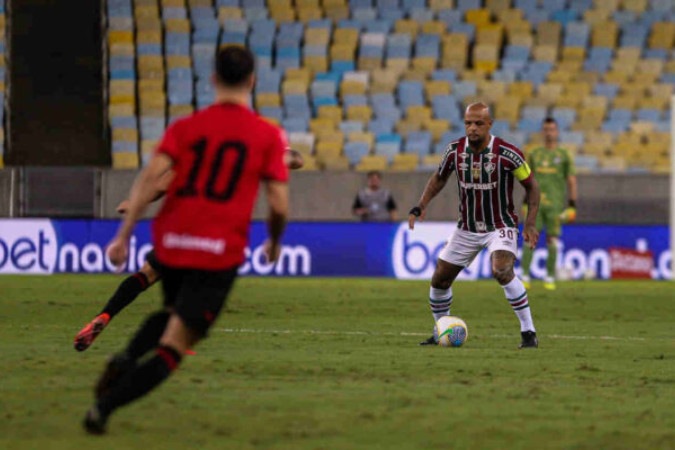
[(362, 136), (122, 49), (624, 102), (432, 161), (418, 114), (439, 5), (146, 11), (317, 64), (405, 162), (477, 17), (548, 33), (151, 85), (415, 74), (125, 134), (362, 113), (200, 3), (339, 163), (614, 163), (608, 5), (661, 90), (662, 35), (486, 66), (549, 92), (641, 127), (404, 127), (149, 24), (300, 73), (276, 4), (152, 99), (628, 53), (173, 3), (267, 99), (605, 34), (508, 109), (521, 39), (490, 35), (424, 64), (317, 36), (330, 112), (398, 64), (372, 162), (595, 149), (434, 27), (342, 52), (573, 53), (116, 99), (180, 110), (337, 13), (122, 87), (406, 26), (229, 12), (310, 164), (320, 125), (615, 77), (348, 36), (383, 80), (521, 89), (120, 37), (650, 66), (333, 3), (436, 127), (559, 76), (578, 89), (548, 53), (307, 3), (595, 101), (352, 87), (593, 16), (369, 63), (177, 25), (474, 75), (326, 135), (497, 6), (148, 146), (294, 87), (283, 15), (638, 6), (645, 78), (509, 15), (326, 149), (124, 160), (177, 61), (436, 87), (306, 14)]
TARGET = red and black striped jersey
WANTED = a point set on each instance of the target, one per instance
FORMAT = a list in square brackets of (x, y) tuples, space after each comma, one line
[(485, 181)]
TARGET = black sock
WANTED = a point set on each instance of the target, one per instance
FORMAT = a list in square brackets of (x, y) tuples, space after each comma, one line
[(141, 380), (147, 337), (126, 293)]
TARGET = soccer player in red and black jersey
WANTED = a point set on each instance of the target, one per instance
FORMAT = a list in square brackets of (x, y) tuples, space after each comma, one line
[(486, 167), (219, 156), (132, 286)]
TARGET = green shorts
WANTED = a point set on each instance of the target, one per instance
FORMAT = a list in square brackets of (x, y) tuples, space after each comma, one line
[(549, 218)]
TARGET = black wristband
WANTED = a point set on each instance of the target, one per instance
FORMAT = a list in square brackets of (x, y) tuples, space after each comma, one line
[(572, 203), (416, 211)]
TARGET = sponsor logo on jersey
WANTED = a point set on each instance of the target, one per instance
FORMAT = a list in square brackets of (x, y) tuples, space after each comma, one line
[(478, 186), (511, 156)]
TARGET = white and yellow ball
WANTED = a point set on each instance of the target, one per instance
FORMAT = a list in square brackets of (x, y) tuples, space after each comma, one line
[(452, 331)]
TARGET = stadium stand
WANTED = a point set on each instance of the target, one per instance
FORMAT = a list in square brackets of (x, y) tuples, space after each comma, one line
[(381, 84), (2, 81)]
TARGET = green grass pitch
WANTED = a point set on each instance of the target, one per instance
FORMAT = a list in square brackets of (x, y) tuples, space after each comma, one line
[(334, 364)]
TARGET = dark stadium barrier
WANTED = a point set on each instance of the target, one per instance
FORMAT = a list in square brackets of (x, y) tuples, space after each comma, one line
[(44, 246)]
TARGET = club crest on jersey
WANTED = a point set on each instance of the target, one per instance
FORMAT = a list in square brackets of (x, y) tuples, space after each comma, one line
[(489, 167), (476, 170)]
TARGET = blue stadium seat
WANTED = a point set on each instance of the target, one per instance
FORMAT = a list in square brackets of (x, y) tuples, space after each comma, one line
[(536, 16), (564, 16), (427, 45), (444, 75), (446, 107), (265, 27), (353, 100), (320, 23), (180, 73), (295, 125), (123, 122), (554, 5), (586, 162), (255, 13), (516, 138), (354, 4), (576, 34), (348, 23), (399, 45), (274, 112), (463, 89), (174, 13), (355, 151), (418, 142), (391, 14), (465, 5), (508, 74), (464, 28), (608, 90), (623, 17), (648, 115), (450, 17), (364, 15), (342, 66), (500, 127), (565, 117), (381, 126), (410, 93), (580, 6), (572, 137), (379, 26), (421, 15), (350, 126), (388, 145), (529, 125)]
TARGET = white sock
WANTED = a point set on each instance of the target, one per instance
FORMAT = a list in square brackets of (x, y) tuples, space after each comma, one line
[(517, 296), (439, 302)]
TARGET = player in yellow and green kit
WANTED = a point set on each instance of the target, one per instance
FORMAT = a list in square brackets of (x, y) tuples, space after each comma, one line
[(554, 169)]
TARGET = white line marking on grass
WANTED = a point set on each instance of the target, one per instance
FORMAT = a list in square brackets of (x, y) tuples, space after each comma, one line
[(407, 333)]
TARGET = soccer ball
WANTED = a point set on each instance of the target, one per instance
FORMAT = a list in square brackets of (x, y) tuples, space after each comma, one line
[(452, 331)]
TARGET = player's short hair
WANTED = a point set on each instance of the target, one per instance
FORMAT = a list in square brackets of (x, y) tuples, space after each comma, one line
[(550, 119), (374, 172), (234, 65)]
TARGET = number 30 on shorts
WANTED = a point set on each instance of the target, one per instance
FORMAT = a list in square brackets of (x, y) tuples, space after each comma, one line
[(506, 233)]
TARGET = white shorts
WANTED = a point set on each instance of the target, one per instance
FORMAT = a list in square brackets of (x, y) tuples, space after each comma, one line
[(463, 246)]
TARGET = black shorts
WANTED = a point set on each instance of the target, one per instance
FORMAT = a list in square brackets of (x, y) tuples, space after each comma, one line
[(151, 258), (197, 296)]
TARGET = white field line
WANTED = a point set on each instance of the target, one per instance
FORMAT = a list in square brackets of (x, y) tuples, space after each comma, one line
[(406, 333)]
